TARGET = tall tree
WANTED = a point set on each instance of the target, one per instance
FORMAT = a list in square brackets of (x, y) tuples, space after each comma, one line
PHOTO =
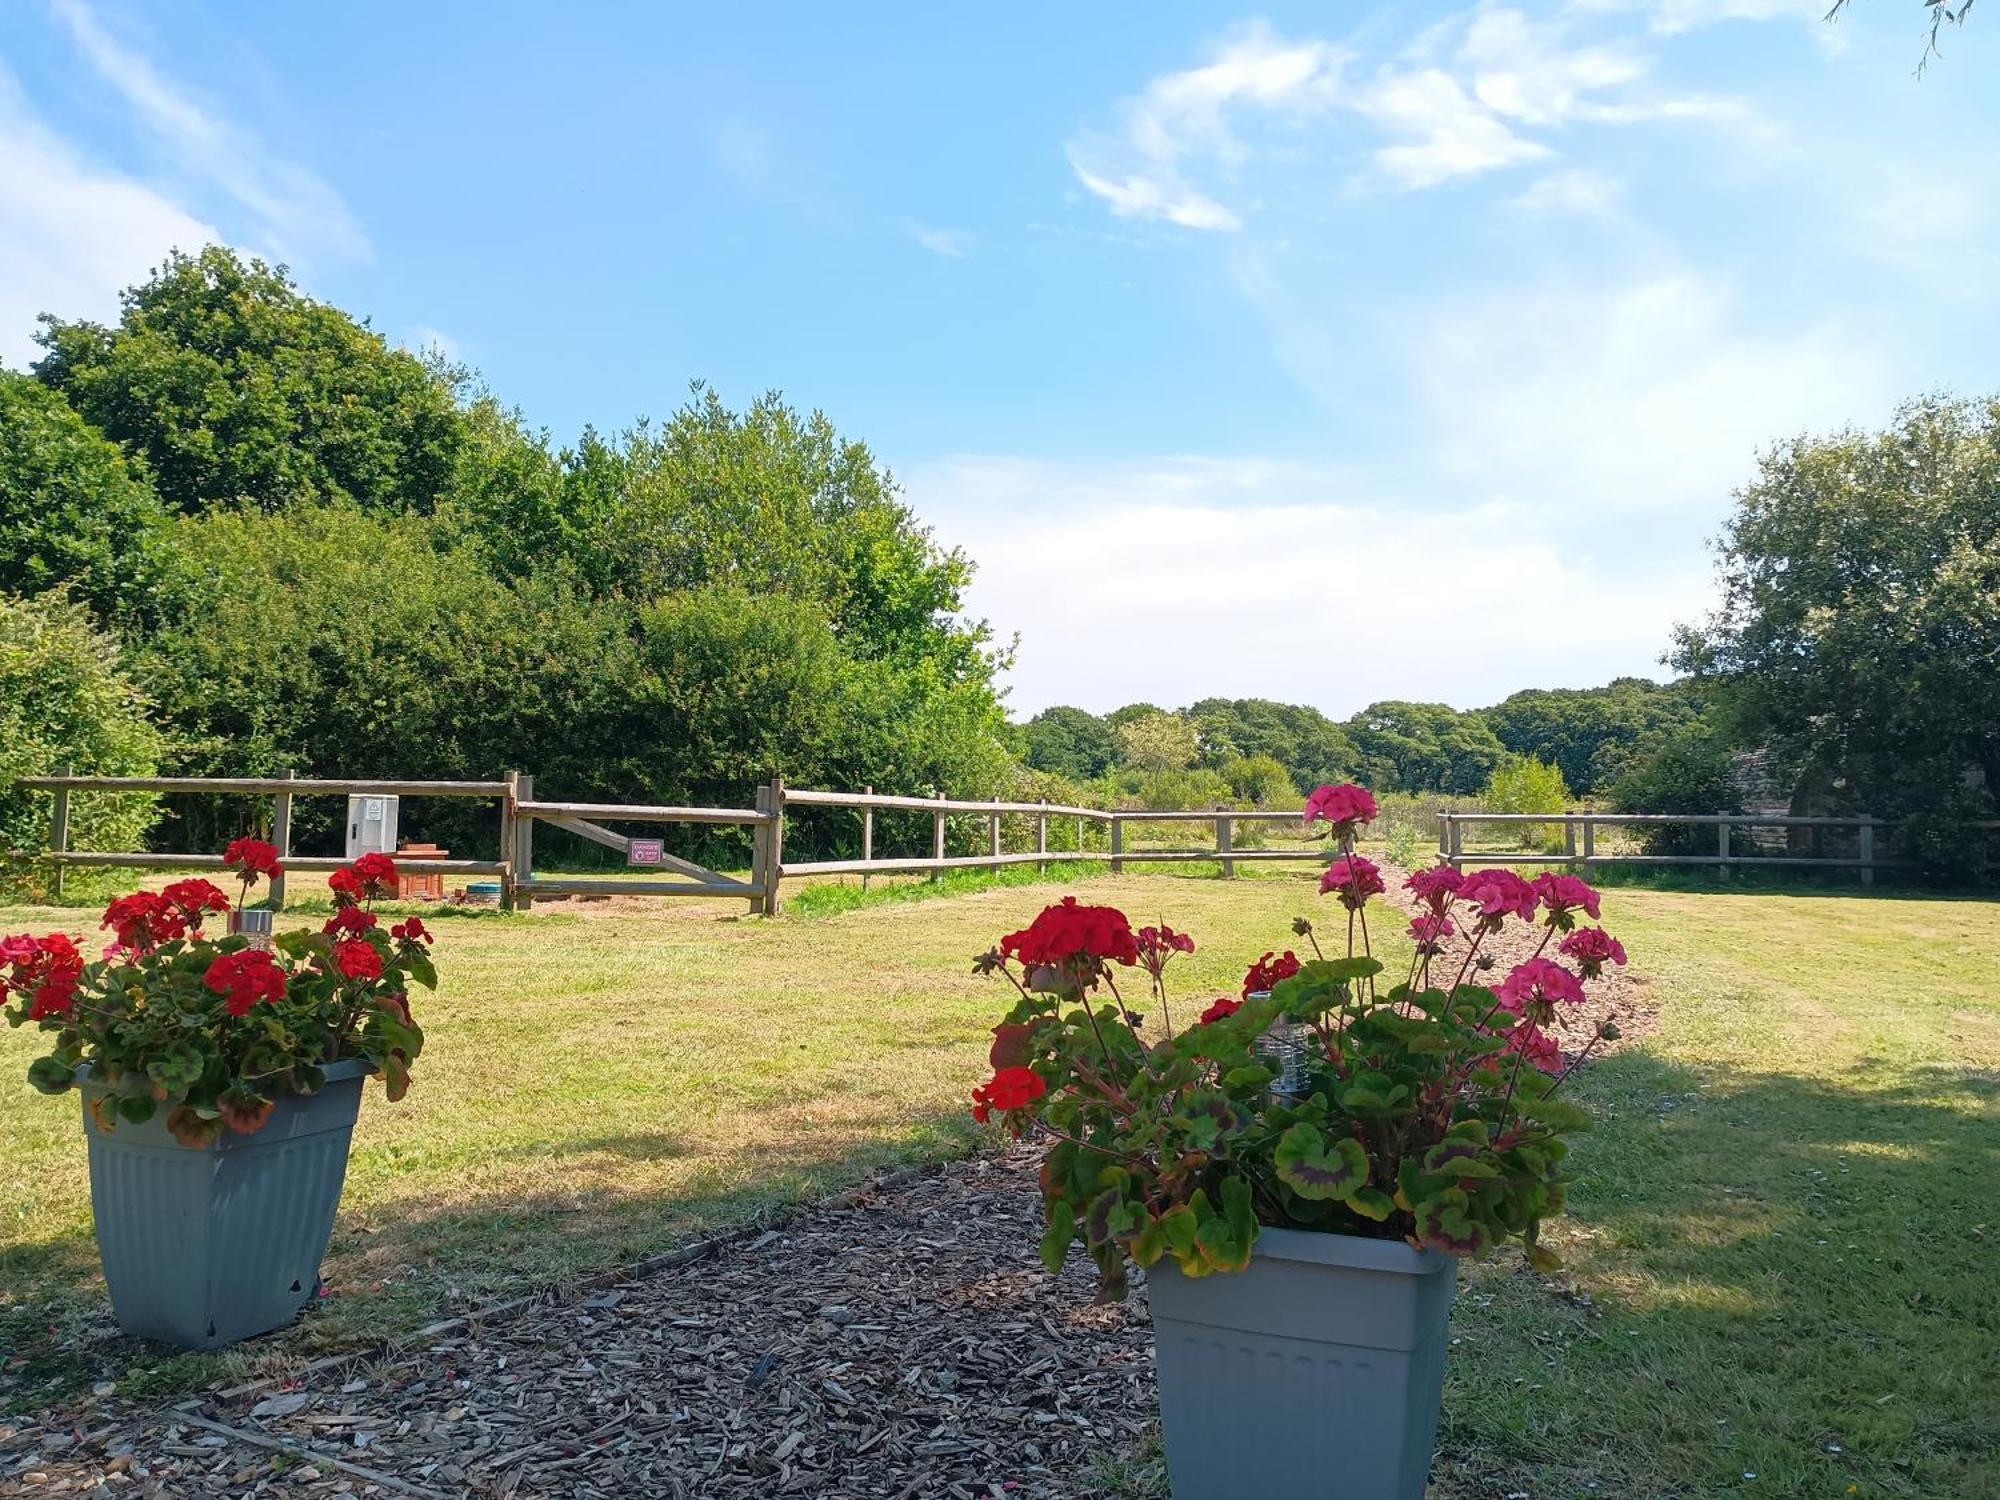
[(1425, 747), (1583, 731), (1070, 742), (73, 513), (1859, 631), (234, 387)]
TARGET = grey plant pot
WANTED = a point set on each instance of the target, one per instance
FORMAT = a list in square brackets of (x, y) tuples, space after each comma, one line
[(205, 1246), (1314, 1374)]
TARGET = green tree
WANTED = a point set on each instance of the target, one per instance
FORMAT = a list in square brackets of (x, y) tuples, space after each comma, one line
[(1424, 747), (1859, 632), (234, 387), (1580, 731), (1259, 780), (64, 701), (1681, 769), (73, 513), (1070, 742), (1158, 742), (1311, 747), (1522, 784)]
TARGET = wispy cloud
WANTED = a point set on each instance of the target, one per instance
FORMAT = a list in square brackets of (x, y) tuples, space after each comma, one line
[(295, 213), (1577, 190), (72, 233), (1483, 91), (1189, 122), (952, 243)]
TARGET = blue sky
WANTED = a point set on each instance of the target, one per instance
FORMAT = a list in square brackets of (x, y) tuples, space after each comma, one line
[(1323, 353)]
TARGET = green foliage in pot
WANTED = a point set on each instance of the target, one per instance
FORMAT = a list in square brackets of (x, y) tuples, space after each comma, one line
[(216, 1029), (1427, 1110)]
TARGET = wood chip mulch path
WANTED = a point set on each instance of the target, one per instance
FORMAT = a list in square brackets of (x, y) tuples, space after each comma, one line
[(911, 1345)]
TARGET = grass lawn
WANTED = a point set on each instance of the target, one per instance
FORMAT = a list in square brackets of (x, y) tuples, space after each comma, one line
[(1781, 1260)]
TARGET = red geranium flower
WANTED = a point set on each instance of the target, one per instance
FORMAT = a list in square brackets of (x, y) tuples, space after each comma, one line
[(244, 978), (196, 898), (144, 920), (250, 858), (357, 959), (1009, 1088), (370, 875), (1067, 933), (1267, 971), (1222, 1007), (349, 919), (411, 930), (46, 970)]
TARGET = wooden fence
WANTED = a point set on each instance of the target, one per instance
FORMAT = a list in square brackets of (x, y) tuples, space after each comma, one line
[(520, 810), (1580, 851)]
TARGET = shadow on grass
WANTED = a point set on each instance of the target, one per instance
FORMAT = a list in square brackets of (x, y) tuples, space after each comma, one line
[(395, 1266), (1770, 1274)]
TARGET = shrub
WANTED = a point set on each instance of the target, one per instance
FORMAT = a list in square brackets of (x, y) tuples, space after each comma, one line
[(1522, 784), (64, 701), (1684, 770)]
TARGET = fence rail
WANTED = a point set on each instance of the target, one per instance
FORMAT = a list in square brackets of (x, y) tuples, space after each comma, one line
[(1580, 851), (520, 810)]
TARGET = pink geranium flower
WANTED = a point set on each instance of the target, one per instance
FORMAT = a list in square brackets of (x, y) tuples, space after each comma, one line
[(1353, 879), (1534, 988), (1536, 1046), (1498, 894), (1436, 886), (1593, 948), (1562, 895), (1344, 806), (1428, 930)]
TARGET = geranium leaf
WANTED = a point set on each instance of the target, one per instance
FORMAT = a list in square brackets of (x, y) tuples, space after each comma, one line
[(1312, 1168), (1057, 1237), (1448, 1222)]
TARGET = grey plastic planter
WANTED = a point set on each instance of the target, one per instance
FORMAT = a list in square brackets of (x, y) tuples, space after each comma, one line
[(1314, 1374), (205, 1246)]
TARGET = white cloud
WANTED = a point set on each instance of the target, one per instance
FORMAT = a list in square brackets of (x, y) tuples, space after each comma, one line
[(295, 213), (1578, 190), (1188, 122), (1671, 16), (1453, 135), (1467, 98), (947, 242), (1633, 396), (72, 233), (1527, 71), (1258, 577)]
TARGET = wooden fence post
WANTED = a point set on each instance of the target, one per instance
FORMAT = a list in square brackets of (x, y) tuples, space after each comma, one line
[(1117, 843), (993, 835), (1457, 851), (506, 852), (760, 850), (1867, 849), (1569, 841), (281, 835), (524, 845), (774, 860), (1589, 846), (1042, 837), (1444, 836), (1079, 835), (937, 838), (59, 829), (867, 835), (1722, 850), (1225, 839)]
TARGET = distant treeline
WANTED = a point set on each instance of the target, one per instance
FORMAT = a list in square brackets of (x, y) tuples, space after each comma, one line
[(1256, 750)]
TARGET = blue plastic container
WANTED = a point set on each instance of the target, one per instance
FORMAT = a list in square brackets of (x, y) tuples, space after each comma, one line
[(202, 1246)]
